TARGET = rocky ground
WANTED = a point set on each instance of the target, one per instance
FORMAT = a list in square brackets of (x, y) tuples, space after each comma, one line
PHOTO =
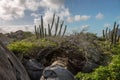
[(77, 53)]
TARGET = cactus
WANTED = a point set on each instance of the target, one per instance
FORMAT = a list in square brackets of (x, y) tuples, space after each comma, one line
[(42, 32), (42, 27), (49, 30), (103, 34), (60, 28), (109, 35), (106, 33), (45, 32), (118, 38), (53, 21), (64, 30), (116, 30), (56, 26), (36, 32), (112, 35)]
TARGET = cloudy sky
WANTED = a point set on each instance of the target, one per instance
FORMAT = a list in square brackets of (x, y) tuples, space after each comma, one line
[(94, 15)]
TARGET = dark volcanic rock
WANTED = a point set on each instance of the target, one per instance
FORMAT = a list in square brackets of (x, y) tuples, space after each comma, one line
[(57, 72), (34, 69), (10, 67)]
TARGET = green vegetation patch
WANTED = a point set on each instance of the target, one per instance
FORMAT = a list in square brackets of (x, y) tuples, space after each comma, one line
[(22, 47), (110, 72), (29, 47)]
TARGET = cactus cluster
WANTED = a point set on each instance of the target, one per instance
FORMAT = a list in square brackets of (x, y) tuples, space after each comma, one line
[(42, 32), (112, 35)]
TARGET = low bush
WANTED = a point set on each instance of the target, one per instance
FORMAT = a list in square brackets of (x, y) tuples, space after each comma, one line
[(110, 72), (22, 47), (29, 47)]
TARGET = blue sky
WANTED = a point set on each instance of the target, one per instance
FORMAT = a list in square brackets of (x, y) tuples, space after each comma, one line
[(93, 15)]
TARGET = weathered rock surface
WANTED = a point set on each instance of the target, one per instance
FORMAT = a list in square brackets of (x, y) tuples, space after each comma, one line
[(4, 39), (34, 68), (19, 35), (10, 67), (57, 71)]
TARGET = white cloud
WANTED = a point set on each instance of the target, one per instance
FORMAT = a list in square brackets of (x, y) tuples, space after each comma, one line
[(37, 21), (99, 16), (52, 4), (35, 15), (71, 19), (77, 17), (13, 28), (32, 5), (10, 9), (85, 17), (14, 9), (107, 25), (58, 7), (85, 27)]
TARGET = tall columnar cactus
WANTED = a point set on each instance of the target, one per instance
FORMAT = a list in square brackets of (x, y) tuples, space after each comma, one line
[(103, 34), (116, 35), (56, 26), (64, 30), (113, 34), (45, 32), (106, 33), (36, 32), (42, 27), (109, 35), (49, 30), (42, 32), (52, 21), (60, 28)]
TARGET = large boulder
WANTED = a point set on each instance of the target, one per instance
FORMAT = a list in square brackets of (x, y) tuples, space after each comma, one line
[(10, 67), (34, 68), (57, 71)]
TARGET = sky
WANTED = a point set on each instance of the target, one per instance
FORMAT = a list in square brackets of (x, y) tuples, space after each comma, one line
[(92, 15)]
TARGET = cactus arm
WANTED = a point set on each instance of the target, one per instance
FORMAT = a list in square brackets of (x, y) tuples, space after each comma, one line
[(64, 30)]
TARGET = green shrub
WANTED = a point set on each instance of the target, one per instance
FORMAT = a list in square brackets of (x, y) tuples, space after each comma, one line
[(116, 49), (45, 43), (84, 76), (29, 47), (110, 72), (22, 47)]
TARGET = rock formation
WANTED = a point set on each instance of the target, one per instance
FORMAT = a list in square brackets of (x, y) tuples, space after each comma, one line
[(10, 67)]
